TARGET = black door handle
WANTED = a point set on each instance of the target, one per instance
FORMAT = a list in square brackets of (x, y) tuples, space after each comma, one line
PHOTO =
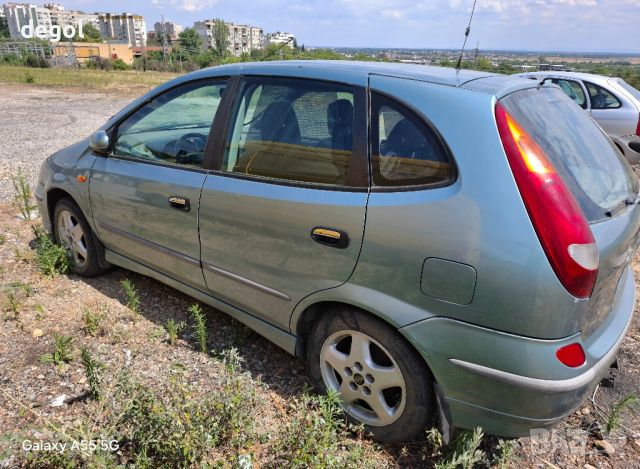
[(180, 203), (330, 237)]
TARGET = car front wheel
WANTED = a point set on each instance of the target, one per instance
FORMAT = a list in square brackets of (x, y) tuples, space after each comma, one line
[(383, 383), (72, 231)]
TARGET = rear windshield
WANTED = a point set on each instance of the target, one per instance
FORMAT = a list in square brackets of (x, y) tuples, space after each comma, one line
[(592, 167), (630, 89)]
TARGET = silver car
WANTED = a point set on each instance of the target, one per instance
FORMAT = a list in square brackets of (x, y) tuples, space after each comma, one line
[(613, 103), (434, 243)]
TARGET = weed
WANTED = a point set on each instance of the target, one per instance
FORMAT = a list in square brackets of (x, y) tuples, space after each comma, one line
[(316, 436), (3, 239), (434, 438), (199, 326), (40, 312), (464, 451), (23, 198), (131, 295), (629, 401), (62, 352), (12, 306), (51, 258), (505, 453), (94, 322), (179, 430), (173, 329), (93, 372), (29, 78)]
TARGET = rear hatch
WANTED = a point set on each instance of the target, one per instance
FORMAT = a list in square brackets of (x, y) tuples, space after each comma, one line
[(598, 177)]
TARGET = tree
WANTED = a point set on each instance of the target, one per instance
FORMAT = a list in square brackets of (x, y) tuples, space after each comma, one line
[(91, 34), (4, 28), (221, 38), (190, 41)]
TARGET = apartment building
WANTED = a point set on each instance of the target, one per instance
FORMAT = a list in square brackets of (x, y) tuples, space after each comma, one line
[(279, 38), (60, 15), (242, 38), (171, 29), (126, 27), (21, 14)]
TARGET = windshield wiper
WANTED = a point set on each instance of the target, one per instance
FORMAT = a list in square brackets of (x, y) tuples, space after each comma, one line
[(632, 199)]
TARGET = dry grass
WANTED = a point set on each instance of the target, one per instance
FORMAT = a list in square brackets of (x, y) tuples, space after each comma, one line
[(129, 82)]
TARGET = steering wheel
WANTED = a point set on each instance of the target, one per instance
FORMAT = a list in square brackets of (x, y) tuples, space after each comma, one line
[(188, 149)]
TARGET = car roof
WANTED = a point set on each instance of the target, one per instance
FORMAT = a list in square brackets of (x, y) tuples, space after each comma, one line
[(344, 70)]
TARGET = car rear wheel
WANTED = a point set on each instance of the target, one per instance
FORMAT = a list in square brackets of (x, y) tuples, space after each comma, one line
[(383, 383), (72, 231)]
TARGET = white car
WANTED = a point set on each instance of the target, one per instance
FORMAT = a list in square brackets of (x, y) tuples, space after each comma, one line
[(612, 102)]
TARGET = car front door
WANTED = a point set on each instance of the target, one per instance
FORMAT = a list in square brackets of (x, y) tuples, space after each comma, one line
[(145, 194), (282, 216), (573, 89)]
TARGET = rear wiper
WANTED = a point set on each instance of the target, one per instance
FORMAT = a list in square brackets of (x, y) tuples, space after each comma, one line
[(633, 200)]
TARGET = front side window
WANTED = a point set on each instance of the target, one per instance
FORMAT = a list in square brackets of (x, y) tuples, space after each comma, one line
[(601, 98), (293, 130), (406, 151), (573, 90), (173, 128)]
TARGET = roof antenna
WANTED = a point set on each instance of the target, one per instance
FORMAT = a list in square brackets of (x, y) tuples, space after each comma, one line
[(466, 36)]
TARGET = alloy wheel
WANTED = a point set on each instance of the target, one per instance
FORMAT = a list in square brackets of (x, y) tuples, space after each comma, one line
[(365, 374), (71, 236)]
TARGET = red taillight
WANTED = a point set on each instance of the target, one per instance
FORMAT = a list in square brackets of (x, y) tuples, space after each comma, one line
[(638, 128), (562, 229), (571, 355)]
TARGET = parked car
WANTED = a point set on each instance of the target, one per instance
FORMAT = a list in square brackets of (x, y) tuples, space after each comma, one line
[(434, 243), (613, 103)]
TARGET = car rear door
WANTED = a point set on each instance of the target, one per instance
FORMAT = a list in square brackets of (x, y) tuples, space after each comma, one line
[(282, 215), (145, 194), (616, 116)]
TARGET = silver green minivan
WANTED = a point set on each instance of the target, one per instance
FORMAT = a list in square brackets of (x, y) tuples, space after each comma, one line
[(436, 244)]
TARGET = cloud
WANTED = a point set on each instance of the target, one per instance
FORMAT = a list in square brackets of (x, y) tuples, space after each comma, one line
[(185, 5), (393, 14)]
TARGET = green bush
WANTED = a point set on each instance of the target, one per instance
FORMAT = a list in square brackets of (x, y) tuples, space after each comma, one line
[(119, 64)]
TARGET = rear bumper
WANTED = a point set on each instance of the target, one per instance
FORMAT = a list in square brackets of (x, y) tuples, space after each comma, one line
[(508, 384)]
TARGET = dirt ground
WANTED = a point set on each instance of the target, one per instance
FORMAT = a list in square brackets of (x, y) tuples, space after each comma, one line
[(55, 305)]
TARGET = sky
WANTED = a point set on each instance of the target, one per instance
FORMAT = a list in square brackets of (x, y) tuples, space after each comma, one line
[(536, 25)]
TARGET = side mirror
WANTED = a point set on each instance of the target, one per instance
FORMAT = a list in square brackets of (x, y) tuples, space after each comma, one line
[(99, 142)]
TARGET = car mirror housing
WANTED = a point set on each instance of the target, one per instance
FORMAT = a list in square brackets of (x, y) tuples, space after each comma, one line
[(99, 142)]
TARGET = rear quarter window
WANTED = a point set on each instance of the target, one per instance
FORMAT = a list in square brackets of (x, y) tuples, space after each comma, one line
[(595, 172)]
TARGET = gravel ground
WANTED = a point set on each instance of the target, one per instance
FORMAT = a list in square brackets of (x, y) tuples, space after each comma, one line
[(36, 122)]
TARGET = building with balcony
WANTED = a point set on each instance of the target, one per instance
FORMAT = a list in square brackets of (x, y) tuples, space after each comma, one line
[(241, 38), (124, 27), (172, 30)]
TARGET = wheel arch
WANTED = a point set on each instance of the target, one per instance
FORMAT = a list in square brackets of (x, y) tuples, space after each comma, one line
[(54, 195), (313, 312)]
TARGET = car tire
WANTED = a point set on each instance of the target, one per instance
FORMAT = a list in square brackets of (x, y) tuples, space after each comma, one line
[(391, 373), (71, 230)]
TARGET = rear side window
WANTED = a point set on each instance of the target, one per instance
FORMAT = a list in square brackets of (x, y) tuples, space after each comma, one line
[(405, 150), (595, 172), (630, 89), (292, 130), (601, 98)]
